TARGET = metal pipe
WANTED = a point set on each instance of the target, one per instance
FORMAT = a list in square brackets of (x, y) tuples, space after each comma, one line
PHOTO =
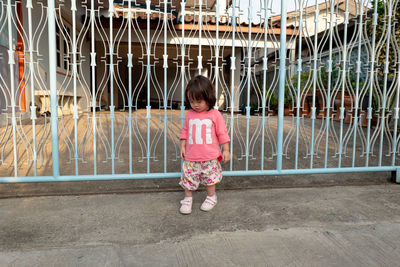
[(32, 84), (93, 83), (11, 63), (249, 57), (53, 88), (233, 67), (282, 77), (75, 72), (130, 82), (65, 178), (112, 107)]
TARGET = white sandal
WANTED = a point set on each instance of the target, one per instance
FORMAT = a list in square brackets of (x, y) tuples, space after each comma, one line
[(186, 207), (209, 203)]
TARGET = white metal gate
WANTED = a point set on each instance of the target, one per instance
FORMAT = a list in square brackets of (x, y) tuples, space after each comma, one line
[(94, 89)]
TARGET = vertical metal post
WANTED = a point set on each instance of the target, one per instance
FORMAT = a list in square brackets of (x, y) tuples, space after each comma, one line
[(371, 81), (299, 91), (249, 57), (200, 57), (396, 116), (341, 117), (233, 66), (328, 102), (358, 71), (130, 82), (385, 72), (313, 108), (282, 77), (148, 107), (165, 66), (75, 73), (264, 87), (53, 87), (112, 107), (93, 83), (32, 85), (217, 55), (11, 63), (396, 176), (183, 13)]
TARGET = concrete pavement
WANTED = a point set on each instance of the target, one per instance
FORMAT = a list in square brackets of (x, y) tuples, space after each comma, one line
[(357, 225)]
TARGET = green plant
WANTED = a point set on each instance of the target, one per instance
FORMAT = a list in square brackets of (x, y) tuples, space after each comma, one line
[(273, 100), (290, 94), (253, 106), (381, 32), (288, 99)]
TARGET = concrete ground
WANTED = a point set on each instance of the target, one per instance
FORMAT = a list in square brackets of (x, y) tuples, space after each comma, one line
[(287, 221)]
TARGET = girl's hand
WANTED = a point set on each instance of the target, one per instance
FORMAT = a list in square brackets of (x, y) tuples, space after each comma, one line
[(183, 148), (226, 156), (183, 153)]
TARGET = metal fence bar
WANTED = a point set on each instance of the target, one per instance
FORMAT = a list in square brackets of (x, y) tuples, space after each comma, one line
[(200, 57), (183, 13), (233, 67), (111, 74), (11, 63), (328, 102), (371, 83), (385, 72), (65, 178), (182, 117), (148, 75), (93, 83), (165, 66), (74, 67), (282, 77), (216, 55), (396, 115), (31, 77), (358, 71), (341, 116), (298, 95), (264, 87), (248, 85), (130, 82), (313, 108), (53, 88)]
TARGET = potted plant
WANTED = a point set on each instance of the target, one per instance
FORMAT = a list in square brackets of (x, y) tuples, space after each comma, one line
[(253, 108), (273, 104)]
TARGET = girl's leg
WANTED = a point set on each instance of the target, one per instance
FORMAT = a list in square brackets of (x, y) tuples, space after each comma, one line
[(188, 193), (211, 199), (186, 203), (210, 190)]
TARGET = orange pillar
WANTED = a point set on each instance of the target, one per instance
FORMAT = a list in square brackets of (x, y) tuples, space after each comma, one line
[(20, 52)]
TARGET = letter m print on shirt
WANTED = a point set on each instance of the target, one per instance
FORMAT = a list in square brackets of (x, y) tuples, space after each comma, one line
[(199, 123)]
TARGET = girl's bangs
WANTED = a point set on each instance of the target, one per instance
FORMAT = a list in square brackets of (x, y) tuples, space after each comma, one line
[(195, 94)]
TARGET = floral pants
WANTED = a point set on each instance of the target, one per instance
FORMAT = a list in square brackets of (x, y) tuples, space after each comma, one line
[(200, 172)]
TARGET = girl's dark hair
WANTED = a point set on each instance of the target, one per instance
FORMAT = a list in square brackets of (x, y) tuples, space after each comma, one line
[(200, 87)]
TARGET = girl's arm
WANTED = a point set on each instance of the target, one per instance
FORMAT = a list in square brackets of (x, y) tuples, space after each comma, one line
[(220, 129), (226, 155), (184, 136), (183, 148)]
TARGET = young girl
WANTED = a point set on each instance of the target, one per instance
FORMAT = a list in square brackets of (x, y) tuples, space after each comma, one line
[(204, 129)]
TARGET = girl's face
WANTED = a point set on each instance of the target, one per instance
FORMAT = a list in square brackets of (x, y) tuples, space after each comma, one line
[(198, 105)]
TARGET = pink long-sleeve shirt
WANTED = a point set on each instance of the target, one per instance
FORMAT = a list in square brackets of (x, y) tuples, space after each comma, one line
[(203, 132)]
